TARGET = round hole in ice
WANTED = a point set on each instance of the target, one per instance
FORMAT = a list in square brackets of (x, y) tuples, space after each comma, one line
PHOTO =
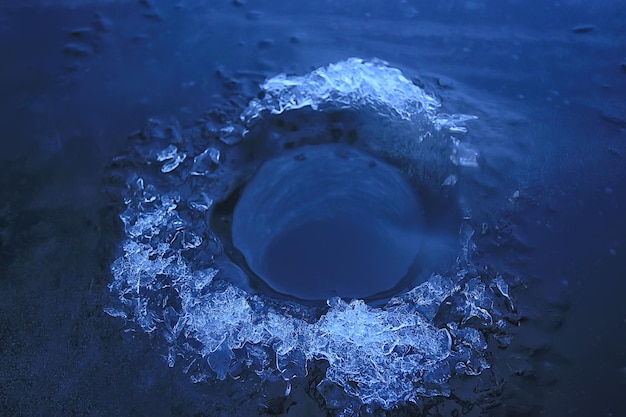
[(180, 279), (326, 221)]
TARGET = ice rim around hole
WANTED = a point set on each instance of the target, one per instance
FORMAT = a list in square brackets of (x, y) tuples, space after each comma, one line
[(167, 280)]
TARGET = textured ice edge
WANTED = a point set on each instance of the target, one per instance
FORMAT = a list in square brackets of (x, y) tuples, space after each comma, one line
[(404, 351), (354, 83)]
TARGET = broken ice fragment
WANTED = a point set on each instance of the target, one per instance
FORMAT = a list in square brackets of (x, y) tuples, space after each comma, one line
[(168, 153), (503, 289), (172, 164), (464, 155), (231, 135), (206, 162), (449, 181), (172, 157), (202, 203), (115, 312)]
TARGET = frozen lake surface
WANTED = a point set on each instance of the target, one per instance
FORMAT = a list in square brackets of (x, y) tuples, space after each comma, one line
[(96, 92)]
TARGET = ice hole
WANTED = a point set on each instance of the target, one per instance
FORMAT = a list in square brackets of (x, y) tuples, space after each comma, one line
[(327, 221), (180, 278)]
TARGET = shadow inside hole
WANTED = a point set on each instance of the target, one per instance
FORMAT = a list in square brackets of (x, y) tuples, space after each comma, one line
[(330, 220)]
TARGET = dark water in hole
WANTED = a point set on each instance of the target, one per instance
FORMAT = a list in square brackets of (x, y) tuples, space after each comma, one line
[(545, 79), (331, 259), (329, 221)]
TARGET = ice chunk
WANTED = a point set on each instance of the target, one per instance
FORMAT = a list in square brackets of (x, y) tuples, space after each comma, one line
[(348, 84), (503, 289), (231, 134), (354, 83), (168, 153), (464, 155), (113, 312), (171, 157), (450, 181), (206, 162)]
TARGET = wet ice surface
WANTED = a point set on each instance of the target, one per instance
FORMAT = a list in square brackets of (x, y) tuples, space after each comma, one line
[(550, 136)]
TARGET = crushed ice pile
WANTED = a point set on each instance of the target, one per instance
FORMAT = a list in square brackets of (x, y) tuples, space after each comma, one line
[(166, 280)]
